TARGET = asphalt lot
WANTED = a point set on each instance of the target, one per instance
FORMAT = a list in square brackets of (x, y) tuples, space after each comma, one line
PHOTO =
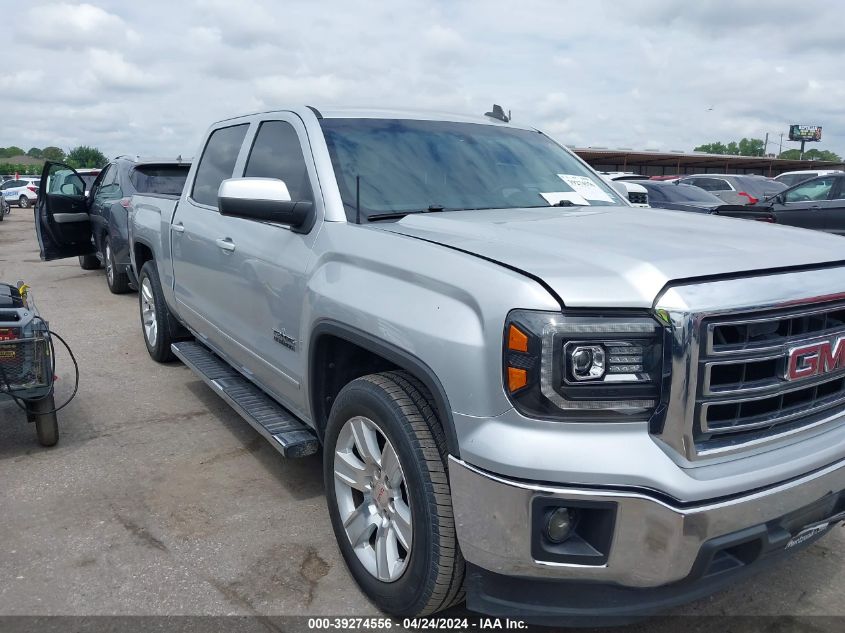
[(160, 500)]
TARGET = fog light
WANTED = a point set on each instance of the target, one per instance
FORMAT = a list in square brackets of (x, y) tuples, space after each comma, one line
[(559, 525)]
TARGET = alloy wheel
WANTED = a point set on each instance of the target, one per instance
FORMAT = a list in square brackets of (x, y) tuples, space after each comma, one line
[(109, 264), (148, 312), (372, 499)]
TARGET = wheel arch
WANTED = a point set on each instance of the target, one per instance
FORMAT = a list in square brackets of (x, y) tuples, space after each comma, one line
[(322, 390)]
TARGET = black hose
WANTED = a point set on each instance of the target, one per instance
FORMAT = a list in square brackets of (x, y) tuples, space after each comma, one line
[(21, 402)]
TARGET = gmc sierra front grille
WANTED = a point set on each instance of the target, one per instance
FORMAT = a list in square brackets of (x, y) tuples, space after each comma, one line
[(744, 392)]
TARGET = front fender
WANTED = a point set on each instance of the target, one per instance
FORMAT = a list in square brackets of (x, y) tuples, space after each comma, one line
[(435, 304)]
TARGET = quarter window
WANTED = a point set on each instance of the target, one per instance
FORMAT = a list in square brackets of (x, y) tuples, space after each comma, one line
[(217, 162), (276, 153)]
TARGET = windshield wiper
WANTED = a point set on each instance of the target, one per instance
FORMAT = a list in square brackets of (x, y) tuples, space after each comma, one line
[(393, 215)]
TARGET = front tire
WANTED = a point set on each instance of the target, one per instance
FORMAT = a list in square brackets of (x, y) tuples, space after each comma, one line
[(23, 202), (388, 495), (117, 281), (157, 324), (43, 413)]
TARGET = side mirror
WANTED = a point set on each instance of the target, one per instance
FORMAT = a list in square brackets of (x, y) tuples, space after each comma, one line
[(266, 199)]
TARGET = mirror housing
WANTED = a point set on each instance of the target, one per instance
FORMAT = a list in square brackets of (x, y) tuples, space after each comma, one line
[(264, 199)]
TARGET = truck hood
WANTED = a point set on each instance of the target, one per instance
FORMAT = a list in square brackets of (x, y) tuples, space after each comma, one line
[(619, 256)]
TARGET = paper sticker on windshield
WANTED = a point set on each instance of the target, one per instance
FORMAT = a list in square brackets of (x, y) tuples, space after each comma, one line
[(554, 197), (587, 187)]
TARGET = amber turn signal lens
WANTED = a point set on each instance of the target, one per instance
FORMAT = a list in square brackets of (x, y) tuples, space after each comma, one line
[(517, 340), (517, 379)]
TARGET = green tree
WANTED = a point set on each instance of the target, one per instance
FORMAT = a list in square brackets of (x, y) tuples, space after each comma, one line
[(712, 148), (811, 154), (34, 152), (752, 147), (8, 152), (53, 153), (743, 147), (85, 156)]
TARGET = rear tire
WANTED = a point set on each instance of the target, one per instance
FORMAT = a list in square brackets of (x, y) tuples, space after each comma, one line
[(117, 281), (43, 413), (392, 410), (23, 202), (89, 262), (157, 324)]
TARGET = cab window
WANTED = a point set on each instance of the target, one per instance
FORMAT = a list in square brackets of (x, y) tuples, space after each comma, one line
[(276, 153), (217, 162)]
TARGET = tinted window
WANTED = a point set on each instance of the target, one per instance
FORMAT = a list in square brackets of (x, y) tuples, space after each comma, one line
[(716, 184), (62, 181), (109, 186), (217, 162), (276, 153), (814, 190), (166, 179)]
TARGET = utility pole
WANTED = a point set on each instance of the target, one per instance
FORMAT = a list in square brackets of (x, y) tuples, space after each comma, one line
[(780, 150), (802, 151), (766, 145)]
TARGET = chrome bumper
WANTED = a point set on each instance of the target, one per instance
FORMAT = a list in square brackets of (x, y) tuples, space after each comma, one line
[(653, 544)]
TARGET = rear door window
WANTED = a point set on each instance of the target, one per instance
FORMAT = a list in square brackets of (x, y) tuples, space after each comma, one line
[(276, 153), (217, 162), (161, 179)]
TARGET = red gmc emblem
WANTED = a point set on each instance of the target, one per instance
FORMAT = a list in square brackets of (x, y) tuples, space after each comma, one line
[(816, 359)]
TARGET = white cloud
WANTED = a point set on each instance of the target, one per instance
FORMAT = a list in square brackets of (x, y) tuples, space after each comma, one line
[(148, 77), (64, 25)]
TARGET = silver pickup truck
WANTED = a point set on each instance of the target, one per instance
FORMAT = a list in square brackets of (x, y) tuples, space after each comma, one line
[(527, 392)]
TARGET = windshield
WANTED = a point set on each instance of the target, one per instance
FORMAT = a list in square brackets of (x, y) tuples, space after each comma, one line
[(687, 193), (794, 179), (397, 166)]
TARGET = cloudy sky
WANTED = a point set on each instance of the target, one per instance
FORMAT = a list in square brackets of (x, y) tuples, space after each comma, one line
[(148, 76)]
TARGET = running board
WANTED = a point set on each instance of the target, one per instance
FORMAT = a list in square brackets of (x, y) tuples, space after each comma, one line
[(288, 435)]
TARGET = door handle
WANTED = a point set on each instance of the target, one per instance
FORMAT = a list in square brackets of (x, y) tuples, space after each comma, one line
[(178, 228), (226, 244)]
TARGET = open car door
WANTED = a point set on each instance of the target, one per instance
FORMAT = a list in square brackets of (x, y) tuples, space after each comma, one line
[(62, 222)]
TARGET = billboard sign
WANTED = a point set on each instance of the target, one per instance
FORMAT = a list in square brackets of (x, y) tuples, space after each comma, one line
[(805, 133)]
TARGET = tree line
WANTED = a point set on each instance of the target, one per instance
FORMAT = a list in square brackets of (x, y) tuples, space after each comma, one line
[(757, 147), (78, 157)]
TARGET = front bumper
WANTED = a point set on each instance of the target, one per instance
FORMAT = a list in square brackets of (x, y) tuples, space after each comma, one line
[(655, 542)]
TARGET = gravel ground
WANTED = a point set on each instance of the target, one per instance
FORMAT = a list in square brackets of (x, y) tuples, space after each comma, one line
[(160, 500)]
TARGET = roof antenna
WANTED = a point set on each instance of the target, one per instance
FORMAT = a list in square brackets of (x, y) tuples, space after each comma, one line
[(499, 113)]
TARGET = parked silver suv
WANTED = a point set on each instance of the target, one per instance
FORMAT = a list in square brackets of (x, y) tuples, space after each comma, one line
[(526, 391)]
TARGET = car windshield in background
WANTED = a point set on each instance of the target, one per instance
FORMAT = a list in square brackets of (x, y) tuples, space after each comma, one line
[(794, 179), (88, 179), (760, 187), (401, 166), (686, 193), (161, 179)]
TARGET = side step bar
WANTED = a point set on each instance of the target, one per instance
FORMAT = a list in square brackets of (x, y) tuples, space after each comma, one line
[(288, 435)]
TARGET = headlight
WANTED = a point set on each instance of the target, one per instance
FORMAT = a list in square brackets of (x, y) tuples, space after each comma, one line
[(584, 368)]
